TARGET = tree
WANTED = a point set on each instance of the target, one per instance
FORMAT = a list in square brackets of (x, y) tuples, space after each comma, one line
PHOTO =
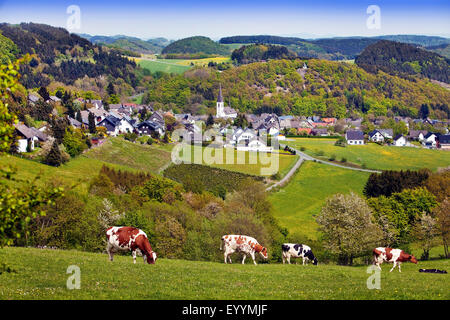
[(20, 200), (54, 157), (108, 216), (426, 231), (442, 215), (438, 184), (110, 89), (424, 111), (347, 226), (78, 117), (210, 120), (91, 120), (44, 93)]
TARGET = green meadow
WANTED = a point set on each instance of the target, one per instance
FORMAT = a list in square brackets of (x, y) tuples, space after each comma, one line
[(296, 204), (42, 274), (162, 66), (374, 156)]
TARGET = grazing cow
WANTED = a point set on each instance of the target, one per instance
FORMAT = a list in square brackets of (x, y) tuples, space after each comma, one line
[(296, 250), (243, 244), (129, 238), (396, 256)]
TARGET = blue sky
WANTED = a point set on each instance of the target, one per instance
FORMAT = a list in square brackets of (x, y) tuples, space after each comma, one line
[(177, 19)]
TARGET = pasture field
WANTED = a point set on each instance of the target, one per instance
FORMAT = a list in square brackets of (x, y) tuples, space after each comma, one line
[(157, 65), (41, 274), (241, 161), (375, 156), (176, 65), (303, 197)]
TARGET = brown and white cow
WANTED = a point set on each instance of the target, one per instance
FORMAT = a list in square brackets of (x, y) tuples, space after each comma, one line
[(243, 244), (129, 239), (396, 256)]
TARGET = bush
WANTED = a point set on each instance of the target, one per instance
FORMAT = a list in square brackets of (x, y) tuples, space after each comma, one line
[(344, 160), (130, 136)]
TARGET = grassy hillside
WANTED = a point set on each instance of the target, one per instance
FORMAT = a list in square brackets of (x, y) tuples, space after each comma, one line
[(375, 156), (296, 204), (41, 274), (115, 152)]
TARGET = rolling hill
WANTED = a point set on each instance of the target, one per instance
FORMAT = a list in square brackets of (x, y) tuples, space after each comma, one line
[(150, 46), (64, 57), (404, 59), (341, 48), (195, 45)]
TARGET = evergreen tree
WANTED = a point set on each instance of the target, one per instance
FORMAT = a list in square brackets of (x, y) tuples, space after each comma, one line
[(210, 120), (78, 117), (91, 120), (110, 89), (44, 93), (424, 111), (54, 157)]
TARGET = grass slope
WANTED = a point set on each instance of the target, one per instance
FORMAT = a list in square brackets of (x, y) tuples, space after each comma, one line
[(167, 67), (41, 274), (376, 156), (296, 204), (115, 152)]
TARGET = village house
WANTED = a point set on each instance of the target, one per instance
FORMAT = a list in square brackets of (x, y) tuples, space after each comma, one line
[(115, 126), (429, 140), (417, 135), (399, 141), (354, 137), (150, 127), (443, 142), (255, 145), (28, 137)]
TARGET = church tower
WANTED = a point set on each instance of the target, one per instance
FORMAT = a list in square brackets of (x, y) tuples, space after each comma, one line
[(220, 112)]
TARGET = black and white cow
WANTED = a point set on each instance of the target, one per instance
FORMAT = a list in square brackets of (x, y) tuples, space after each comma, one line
[(296, 250)]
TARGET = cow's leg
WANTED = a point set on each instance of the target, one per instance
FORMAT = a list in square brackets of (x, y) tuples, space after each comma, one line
[(243, 258), (284, 258), (225, 256), (133, 253), (110, 252), (253, 257), (395, 264), (399, 267), (303, 258), (289, 259), (229, 258)]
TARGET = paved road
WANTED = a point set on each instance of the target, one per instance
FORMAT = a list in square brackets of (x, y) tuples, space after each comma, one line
[(305, 157)]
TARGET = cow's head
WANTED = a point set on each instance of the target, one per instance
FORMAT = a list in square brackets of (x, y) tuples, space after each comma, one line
[(151, 258), (315, 262), (412, 259), (263, 253)]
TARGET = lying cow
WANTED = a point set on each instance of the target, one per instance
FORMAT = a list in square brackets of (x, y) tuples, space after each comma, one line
[(396, 256), (243, 244), (129, 239), (296, 250)]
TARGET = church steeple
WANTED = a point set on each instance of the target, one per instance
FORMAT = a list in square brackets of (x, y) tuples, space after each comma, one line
[(220, 105), (220, 97)]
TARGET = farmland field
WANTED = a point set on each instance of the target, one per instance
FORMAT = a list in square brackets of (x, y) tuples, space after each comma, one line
[(296, 204), (176, 65), (375, 156), (41, 274)]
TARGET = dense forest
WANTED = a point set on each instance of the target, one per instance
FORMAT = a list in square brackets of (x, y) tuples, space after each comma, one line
[(259, 52), (133, 44), (64, 57), (326, 88), (196, 44), (403, 59), (333, 48)]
